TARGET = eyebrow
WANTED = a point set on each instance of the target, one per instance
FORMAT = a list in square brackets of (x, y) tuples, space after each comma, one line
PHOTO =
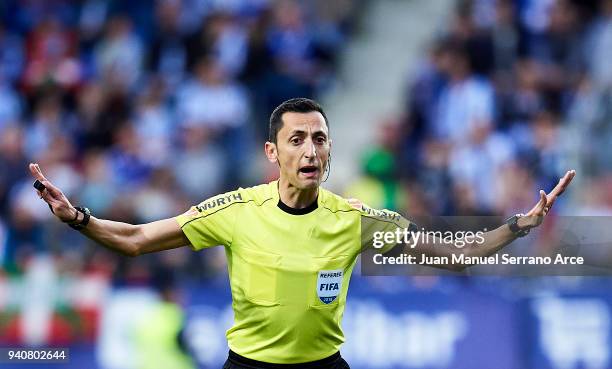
[(303, 133)]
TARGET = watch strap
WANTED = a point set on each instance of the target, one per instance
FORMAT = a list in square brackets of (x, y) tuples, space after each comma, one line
[(514, 227), (83, 223)]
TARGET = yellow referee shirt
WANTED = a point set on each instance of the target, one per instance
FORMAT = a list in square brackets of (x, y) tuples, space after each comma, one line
[(289, 274)]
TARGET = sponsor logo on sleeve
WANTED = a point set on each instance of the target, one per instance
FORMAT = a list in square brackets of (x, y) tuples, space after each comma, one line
[(219, 201)]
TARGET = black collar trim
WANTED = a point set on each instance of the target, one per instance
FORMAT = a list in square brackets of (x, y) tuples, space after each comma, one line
[(293, 211)]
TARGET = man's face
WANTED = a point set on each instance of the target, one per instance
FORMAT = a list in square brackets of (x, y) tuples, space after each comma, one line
[(302, 149)]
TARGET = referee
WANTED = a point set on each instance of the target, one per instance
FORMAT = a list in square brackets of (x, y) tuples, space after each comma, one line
[(291, 245)]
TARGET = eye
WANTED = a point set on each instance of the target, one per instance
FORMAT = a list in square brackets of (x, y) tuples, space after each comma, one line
[(321, 140), (295, 140)]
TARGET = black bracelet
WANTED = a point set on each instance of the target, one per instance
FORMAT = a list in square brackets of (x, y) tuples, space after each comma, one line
[(512, 223), (83, 223)]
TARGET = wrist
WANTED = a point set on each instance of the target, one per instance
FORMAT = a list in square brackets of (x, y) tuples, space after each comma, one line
[(72, 219), (82, 218), (524, 223), (519, 225)]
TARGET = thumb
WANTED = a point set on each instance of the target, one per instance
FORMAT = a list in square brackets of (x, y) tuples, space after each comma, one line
[(542, 203)]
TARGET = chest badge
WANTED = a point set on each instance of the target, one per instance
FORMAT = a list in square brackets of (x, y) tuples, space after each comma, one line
[(329, 284)]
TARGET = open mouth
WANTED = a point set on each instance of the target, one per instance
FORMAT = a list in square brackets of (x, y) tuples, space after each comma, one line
[(309, 170)]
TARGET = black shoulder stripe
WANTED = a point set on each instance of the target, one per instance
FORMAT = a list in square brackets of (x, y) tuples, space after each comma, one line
[(340, 211)]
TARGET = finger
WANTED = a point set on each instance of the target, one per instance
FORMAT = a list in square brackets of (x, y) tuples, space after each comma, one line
[(51, 189), (38, 185), (39, 171), (560, 187), (47, 198), (558, 190), (45, 190), (538, 208), (36, 172), (563, 183), (572, 174), (542, 203), (45, 195)]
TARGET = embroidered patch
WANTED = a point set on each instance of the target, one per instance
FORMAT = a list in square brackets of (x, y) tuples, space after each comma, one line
[(329, 284)]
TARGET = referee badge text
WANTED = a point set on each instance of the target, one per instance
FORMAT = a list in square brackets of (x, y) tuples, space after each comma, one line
[(329, 284)]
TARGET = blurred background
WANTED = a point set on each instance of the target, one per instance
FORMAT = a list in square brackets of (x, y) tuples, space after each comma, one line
[(140, 109)]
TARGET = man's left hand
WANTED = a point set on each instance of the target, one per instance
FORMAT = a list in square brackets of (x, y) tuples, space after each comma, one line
[(536, 215)]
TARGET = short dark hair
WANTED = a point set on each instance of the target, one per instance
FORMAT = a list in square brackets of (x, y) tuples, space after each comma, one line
[(296, 105)]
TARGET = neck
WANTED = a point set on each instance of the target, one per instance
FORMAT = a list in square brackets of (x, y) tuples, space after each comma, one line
[(295, 197)]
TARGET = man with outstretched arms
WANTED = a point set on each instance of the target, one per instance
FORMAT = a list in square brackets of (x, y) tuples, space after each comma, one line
[(291, 245)]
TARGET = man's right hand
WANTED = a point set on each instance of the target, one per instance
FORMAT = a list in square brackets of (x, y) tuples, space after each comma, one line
[(128, 239), (59, 204)]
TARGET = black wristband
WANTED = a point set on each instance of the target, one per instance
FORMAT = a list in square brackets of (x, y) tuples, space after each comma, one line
[(514, 227), (83, 223)]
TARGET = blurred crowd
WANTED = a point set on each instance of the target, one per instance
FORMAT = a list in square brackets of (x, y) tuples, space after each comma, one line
[(509, 96), (139, 109)]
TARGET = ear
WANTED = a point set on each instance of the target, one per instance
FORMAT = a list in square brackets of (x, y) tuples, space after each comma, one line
[(271, 152)]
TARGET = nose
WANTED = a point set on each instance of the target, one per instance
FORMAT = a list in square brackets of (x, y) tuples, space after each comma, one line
[(311, 150)]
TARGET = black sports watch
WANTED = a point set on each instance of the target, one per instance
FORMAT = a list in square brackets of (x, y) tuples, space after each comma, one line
[(512, 222), (83, 223)]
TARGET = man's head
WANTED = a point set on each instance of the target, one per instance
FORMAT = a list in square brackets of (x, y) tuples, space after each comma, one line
[(299, 142)]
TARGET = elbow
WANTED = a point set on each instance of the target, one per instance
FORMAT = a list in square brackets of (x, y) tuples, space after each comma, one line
[(132, 252), (127, 249), (132, 244)]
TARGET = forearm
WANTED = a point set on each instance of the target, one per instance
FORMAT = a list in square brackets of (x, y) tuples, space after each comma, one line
[(488, 244), (133, 240), (492, 242), (497, 239), (117, 236)]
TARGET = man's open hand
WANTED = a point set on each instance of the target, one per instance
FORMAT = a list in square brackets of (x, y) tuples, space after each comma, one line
[(536, 215), (59, 204)]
